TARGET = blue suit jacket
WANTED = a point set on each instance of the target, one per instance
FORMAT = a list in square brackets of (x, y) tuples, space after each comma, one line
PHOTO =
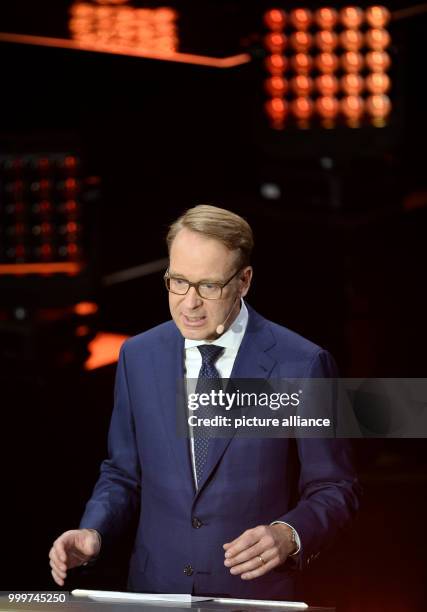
[(309, 483)]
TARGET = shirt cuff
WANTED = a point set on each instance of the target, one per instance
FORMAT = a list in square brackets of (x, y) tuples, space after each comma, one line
[(296, 535)]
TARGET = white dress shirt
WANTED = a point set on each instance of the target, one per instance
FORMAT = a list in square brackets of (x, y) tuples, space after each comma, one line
[(230, 341)]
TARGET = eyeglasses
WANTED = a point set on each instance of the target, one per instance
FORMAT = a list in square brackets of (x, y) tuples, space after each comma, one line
[(207, 291)]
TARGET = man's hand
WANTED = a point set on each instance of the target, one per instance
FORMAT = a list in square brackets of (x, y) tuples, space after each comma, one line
[(71, 549), (259, 550)]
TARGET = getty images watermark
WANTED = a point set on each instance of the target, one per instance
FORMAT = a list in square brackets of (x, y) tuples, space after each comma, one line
[(332, 407)]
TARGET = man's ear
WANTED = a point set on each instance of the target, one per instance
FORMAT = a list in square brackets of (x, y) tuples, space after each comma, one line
[(246, 279)]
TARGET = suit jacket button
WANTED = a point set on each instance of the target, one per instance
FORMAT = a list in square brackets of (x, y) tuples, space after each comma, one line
[(197, 523), (188, 570)]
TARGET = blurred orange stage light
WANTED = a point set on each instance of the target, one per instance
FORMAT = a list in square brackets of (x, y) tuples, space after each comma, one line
[(352, 62), (377, 16), (378, 83), (352, 107), (301, 41), (301, 85), (275, 19), (351, 40), (327, 107), (302, 107), (326, 62), (377, 39), (351, 16), (326, 40), (378, 107), (276, 109), (276, 86), (302, 63), (326, 17), (301, 18), (275, 42), (378, 61), (276, 64), (327, 84), (352, 84)]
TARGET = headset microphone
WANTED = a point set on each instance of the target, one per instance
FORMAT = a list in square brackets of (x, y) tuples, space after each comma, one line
[(221, 327)]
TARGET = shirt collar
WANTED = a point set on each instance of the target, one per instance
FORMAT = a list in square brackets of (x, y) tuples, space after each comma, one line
[(232, 337)]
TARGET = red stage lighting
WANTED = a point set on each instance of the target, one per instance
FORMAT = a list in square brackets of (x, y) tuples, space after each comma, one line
[(326, 17), (378, 83), (326, 62), (351, 40), (302, 63), (352, 62), (301, 18), (327, 84), (276, 64), (276, 86), (327, 107), (326, 40), (301, 41), (378, 107), (351, 17), (377, 39), (302, 85), (276, 109), (352, 84), (352, 107), (275, 19), (377, 16), (275, 42), (378, 61), (302, 108)]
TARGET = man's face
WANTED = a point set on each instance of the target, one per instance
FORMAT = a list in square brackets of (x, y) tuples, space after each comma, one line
[(197, 258)]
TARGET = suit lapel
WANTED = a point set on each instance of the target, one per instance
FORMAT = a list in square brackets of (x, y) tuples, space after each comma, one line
[(252, 361), (169, 367)]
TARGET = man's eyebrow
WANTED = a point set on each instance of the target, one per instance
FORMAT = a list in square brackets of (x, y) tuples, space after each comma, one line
[(203, 280)]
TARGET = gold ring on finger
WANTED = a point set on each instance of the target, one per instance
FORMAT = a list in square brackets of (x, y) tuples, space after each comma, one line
[(262, 560)]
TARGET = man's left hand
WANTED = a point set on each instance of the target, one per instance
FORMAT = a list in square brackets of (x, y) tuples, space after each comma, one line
[(259, 550)]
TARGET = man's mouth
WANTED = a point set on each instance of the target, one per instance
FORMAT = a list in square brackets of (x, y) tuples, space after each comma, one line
[(193, 320)]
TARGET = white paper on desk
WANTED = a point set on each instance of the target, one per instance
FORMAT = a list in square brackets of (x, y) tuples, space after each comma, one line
[(138, 597)]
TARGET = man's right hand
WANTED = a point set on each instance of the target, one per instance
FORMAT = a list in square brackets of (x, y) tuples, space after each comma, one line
[(71, 549)]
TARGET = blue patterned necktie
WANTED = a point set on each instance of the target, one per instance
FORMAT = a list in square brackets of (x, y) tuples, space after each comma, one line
[(205, 383)]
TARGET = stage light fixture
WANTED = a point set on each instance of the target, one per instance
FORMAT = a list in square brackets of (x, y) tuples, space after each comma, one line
[(327, 84), (301, 18), (377, 16), (301, 85), (277, 109), (302, 63), (352, 84), (351, 61), (378, 107), (377, 39), (276, 86), (275, 42), (378, 61), (378, 83), (351, 40), (275, 19), (301, 41), (326, 62), (351, 17), (326, 40), (326, 18), (276, 64), (302, 108), (353, 108)]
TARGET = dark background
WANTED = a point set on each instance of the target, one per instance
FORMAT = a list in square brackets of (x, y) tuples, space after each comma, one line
[(340, 258)]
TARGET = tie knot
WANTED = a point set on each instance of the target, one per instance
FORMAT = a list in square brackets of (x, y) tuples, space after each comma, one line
[(210, 353)]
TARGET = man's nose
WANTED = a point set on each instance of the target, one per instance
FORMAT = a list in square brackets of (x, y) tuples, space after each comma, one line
[(192, 299)]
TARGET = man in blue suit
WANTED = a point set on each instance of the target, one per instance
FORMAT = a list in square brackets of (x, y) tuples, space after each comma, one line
[(221, 516)]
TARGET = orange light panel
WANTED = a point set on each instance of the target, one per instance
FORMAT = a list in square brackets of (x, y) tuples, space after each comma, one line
[(302, 85), (275, 42), (352, 61), (276, 86), (377, 39), (352, 84), (301, 41), (327, 84), (301, 18), (378, 83), (302, 107), (326, 62), (326, 40), (351, 40), (378, 61), (276, 64), (302, 63), (275, 19), (104, 350), (351, 17)]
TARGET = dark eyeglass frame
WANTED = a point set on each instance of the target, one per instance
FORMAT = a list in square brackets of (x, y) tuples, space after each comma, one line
[(196, 286)]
